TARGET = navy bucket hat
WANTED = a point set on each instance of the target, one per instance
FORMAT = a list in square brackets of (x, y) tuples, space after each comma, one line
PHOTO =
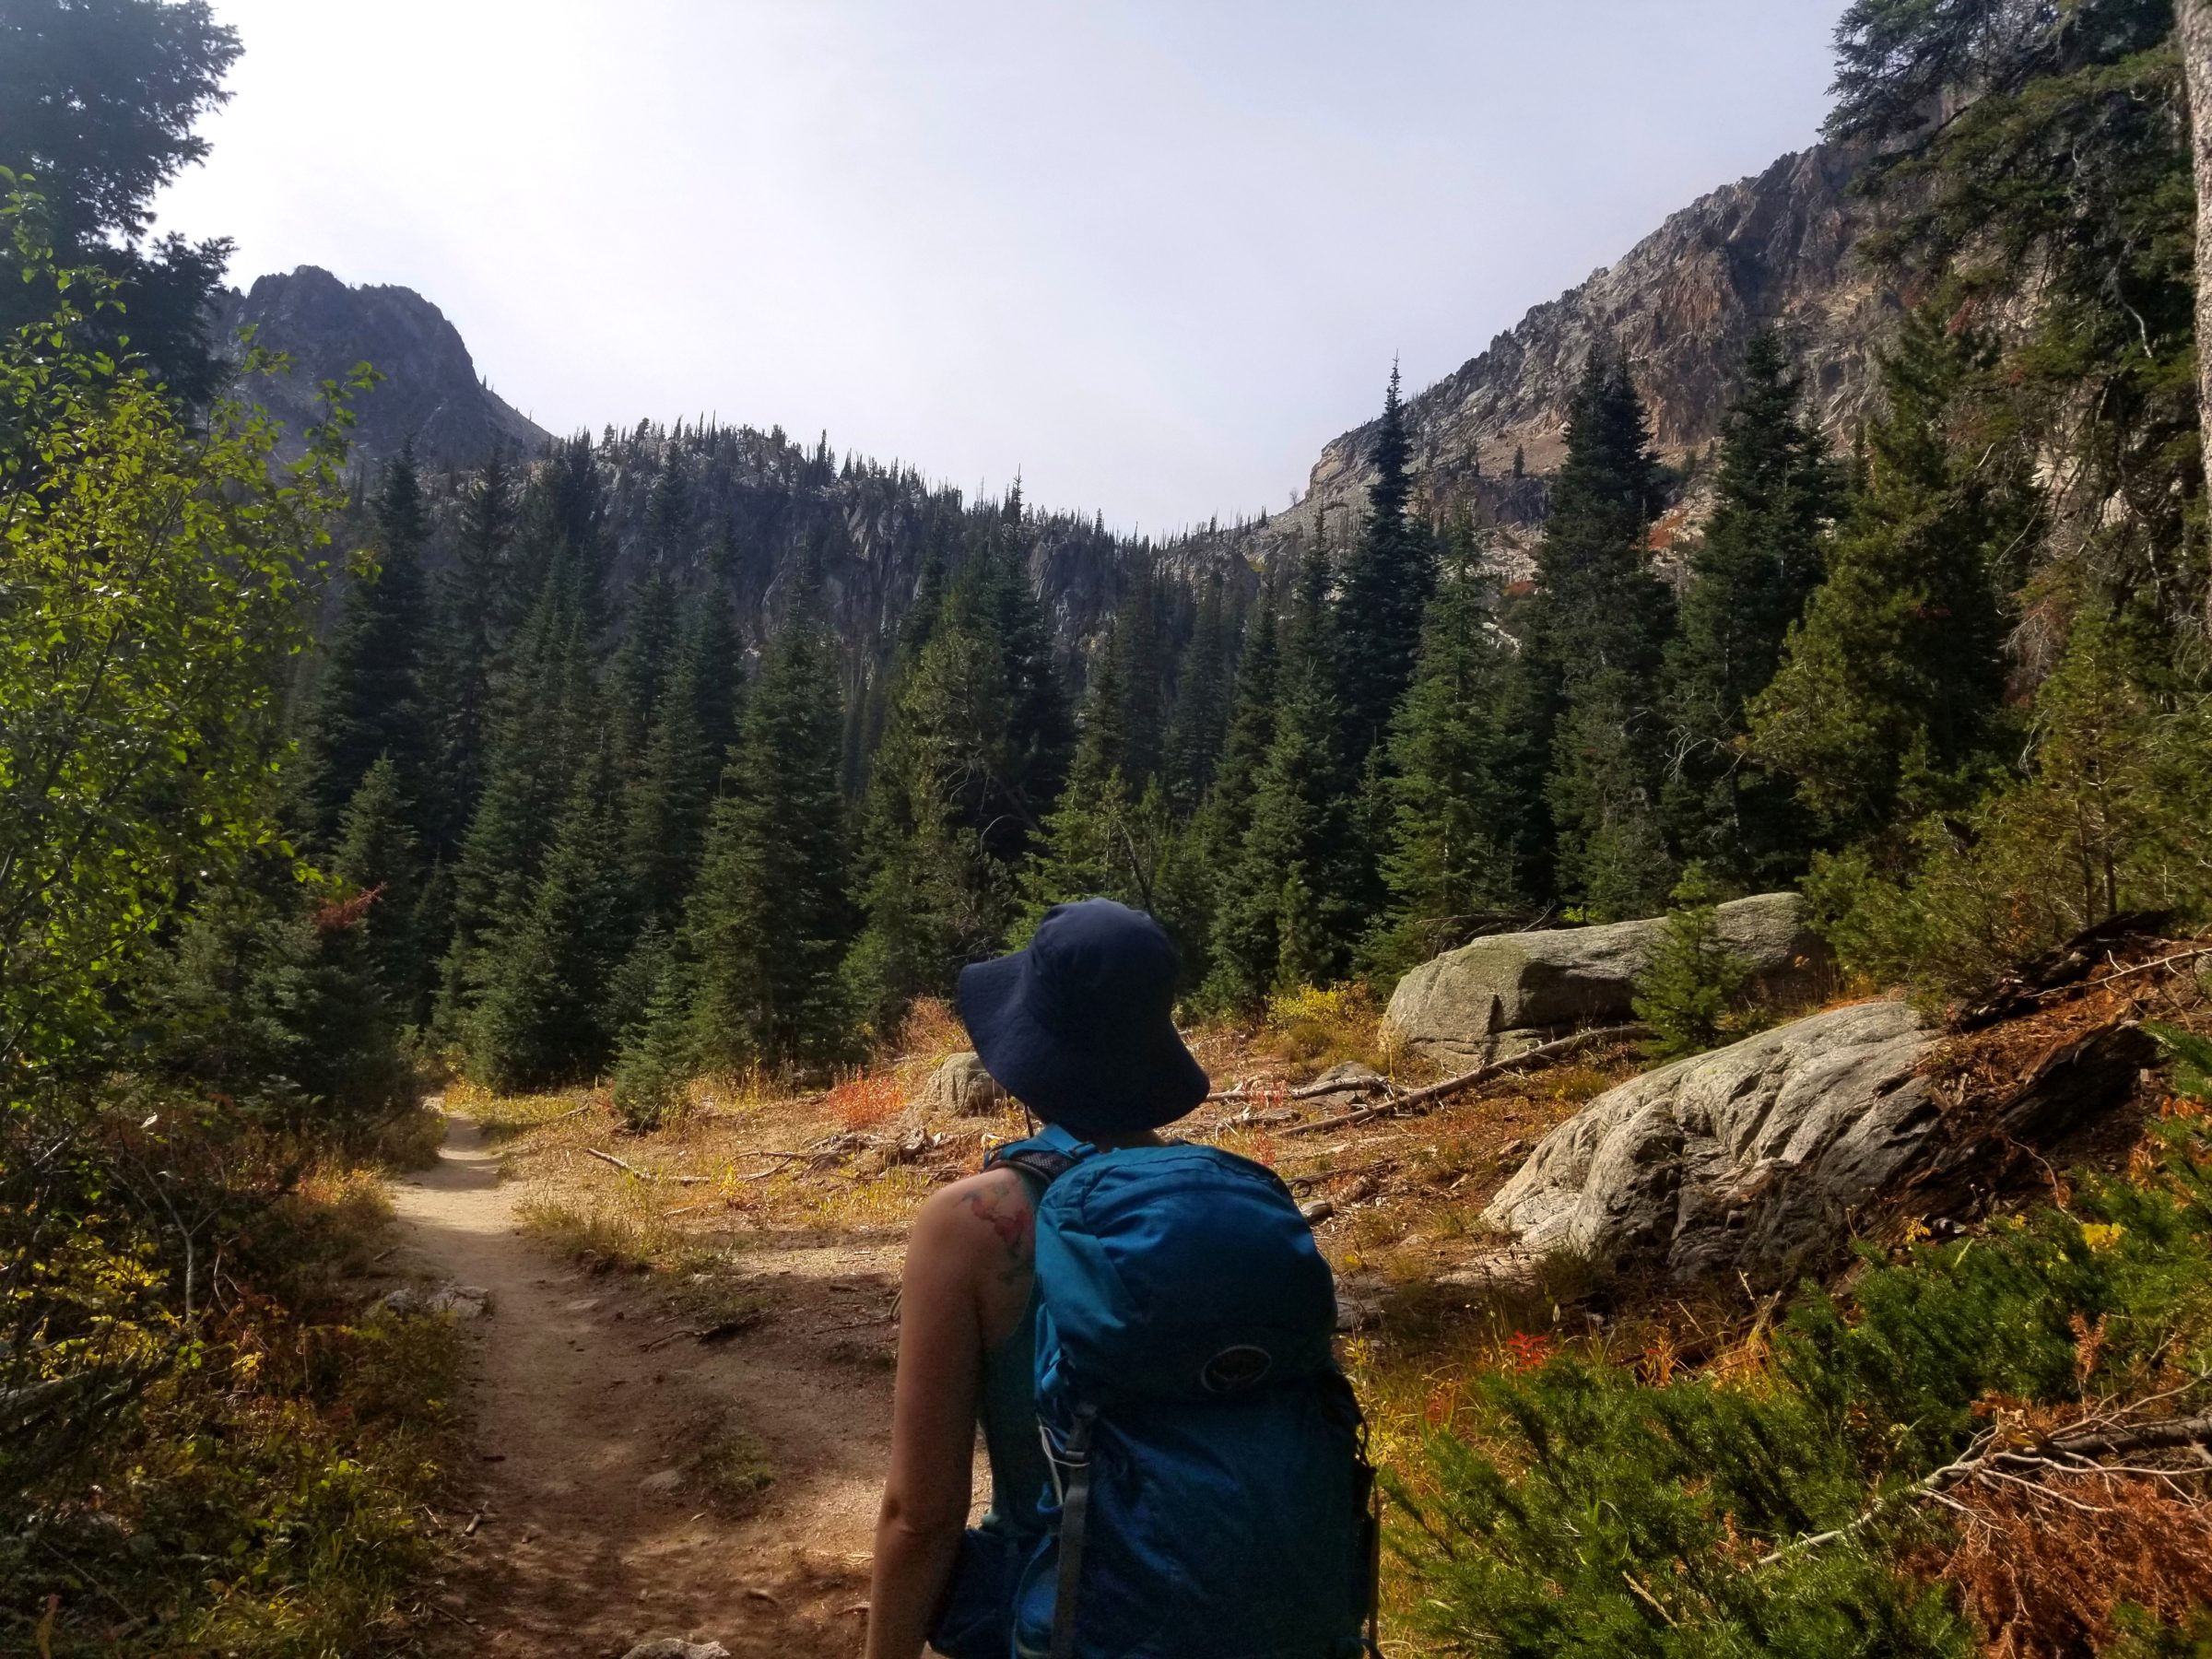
[(1080, 1027)]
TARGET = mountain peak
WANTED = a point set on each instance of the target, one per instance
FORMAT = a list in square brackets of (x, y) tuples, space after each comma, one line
[(430, 392)]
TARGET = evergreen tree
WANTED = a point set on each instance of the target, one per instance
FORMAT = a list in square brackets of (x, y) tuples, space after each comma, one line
[(1210, 846), (379, 857), (371, 701), (1285, 898), (1596, 631), (460, 672), (1889, 695), (659, 1055), (666, 807), (1693, 994), (1082, 855), (1200, 723), (1035, 727), (97, 107), (640, 670), (770, 921), (1387, 580), (1137, 642), (974, 751), (1448, 860), (547, 728), (1760, 561), (543, 1018)]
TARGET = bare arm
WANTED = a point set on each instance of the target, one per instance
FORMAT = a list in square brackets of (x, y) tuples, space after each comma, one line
[(970, 1243)]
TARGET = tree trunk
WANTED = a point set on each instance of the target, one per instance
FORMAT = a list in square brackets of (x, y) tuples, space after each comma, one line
[(2194, 29)]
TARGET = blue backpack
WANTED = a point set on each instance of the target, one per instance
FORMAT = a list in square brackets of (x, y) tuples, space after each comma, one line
[(1211, 1496)]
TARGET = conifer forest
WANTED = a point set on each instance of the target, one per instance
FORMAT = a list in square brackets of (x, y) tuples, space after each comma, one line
[(1716, 934)]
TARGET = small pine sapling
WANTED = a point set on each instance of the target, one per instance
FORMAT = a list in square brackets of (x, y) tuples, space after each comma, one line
[(1693, 994)]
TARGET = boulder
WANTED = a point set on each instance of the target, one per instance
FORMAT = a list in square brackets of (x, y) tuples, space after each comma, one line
[(963, 1088), (1498, 996), (675, 1647), (1752, 1158), (462, 1302)]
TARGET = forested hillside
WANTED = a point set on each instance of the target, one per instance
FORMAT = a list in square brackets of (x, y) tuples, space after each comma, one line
[(1940, 677)]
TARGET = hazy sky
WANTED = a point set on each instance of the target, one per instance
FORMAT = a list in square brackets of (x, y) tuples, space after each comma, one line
[(1152, 254)]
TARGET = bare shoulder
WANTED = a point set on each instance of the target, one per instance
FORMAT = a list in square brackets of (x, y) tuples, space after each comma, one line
[(981, 1218)]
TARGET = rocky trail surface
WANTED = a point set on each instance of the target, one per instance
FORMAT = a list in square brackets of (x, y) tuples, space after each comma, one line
[(604, 1501)]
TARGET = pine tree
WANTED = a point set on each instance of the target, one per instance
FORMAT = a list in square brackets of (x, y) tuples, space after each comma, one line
[(1082, 855), (1028, 750), (1386, 583), (1207, 857), (1200, 723), (1760, 561), (1449, 860), (641, 663), (1296, 845), (462, 669), (1596, 631), (547, 728), (974, 751), (1691, 996), (770, 921), (378, 854), (370, 702), (543, 1018), (1889, 695), (666, 807), (1136, 633), (659, 1055)]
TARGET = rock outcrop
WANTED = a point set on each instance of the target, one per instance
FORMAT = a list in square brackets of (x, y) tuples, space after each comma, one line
[(1778, 250), (1493, 998), (963, 1088), (430, 390), (1751, 1158)]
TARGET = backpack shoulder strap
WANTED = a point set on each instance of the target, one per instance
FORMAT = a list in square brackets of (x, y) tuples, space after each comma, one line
[(1047, 1156)]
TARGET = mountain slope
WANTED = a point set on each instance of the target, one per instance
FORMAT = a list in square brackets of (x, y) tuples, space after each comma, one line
[(1779, 249), (430, 390)]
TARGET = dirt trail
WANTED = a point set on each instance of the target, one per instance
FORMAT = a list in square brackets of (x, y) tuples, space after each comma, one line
[(599, 1528)]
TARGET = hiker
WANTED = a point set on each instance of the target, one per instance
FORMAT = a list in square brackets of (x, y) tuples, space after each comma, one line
[(1143, 1330)]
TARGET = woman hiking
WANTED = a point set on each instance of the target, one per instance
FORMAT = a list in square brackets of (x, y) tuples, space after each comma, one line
[(1142, 1330)]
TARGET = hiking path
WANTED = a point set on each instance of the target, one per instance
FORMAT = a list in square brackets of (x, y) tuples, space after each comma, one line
[(603, 1499)]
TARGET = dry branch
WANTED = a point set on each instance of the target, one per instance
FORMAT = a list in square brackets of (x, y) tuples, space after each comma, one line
[(630, 1169), (1543, 1054), (2069, 1451)]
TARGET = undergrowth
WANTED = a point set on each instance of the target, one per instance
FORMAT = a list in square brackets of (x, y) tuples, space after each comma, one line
[(210, 1447), (1571, 1503)]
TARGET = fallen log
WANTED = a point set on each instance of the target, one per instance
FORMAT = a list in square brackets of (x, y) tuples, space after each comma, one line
[(2069, 1451), (1542, 1055)]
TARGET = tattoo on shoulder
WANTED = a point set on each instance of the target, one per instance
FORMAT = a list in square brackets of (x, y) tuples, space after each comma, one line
[(1005, 1210)]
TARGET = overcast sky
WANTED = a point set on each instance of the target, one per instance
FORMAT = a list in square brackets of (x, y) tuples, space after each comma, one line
[(1153, 252)]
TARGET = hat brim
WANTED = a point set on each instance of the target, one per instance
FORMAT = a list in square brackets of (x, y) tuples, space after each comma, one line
[(1126, 1092)]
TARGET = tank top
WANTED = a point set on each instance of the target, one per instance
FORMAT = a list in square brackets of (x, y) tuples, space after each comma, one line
[(1008, 1411)]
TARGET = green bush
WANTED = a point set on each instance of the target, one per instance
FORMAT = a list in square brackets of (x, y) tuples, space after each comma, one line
[(1588, 1513)]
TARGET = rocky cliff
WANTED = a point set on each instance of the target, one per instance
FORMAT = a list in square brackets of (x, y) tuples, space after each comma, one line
[(430, 390), (1779, 250)]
